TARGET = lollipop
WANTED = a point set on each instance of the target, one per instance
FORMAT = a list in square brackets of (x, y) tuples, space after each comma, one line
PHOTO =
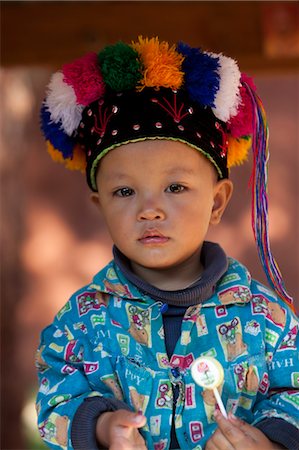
[(208, 373)]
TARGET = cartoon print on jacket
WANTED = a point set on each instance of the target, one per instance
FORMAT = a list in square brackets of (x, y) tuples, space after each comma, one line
[(40, 363), (139, 324), (210, 403), (246, 377), (119, 350), (277, 313), (273, 311), (113, 384), (252, 381), (87, 301), (55, 430), (164, 395), (231, 339), (236, 294), (117, 288), (289, 341), (139, 401)]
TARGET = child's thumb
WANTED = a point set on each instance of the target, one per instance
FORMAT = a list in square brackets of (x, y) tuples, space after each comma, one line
[(137, 419), (127, 418)]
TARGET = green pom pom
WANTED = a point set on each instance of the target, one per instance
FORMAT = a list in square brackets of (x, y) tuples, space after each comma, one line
[(120, 66)]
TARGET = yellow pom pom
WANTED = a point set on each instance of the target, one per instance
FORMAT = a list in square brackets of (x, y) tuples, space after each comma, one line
[(162, 64), (237, 151), (56, 155), (78, 162)]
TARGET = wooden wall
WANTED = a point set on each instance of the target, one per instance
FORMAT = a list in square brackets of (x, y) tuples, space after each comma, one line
[(42, 32)]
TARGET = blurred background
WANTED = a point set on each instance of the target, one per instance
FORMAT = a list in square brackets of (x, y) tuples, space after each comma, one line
[(52, 239)]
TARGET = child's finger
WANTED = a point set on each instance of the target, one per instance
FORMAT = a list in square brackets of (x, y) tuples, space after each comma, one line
[(129, 419), (231, 430), (244, 426), (218, 442), (212, 445)]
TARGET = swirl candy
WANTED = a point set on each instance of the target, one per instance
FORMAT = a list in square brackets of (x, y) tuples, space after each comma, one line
[(208, 373)]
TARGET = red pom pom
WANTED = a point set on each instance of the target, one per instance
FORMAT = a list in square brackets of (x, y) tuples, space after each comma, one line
[(85, 77), (243, 123)]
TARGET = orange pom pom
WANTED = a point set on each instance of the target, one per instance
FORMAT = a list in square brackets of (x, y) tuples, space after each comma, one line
[(162, 64), (237, 151), (78, 162), (56, 155)]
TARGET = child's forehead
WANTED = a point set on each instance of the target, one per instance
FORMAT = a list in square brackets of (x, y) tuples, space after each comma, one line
[(164, 157), (154, 148), (167, 154)]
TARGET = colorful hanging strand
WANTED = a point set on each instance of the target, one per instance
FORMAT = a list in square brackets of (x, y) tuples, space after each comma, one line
[(259, 213)]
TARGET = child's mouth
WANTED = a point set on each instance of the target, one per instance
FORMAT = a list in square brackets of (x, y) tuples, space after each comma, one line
[(153, 237)]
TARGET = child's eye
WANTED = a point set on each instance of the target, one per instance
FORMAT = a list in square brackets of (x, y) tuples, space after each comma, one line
[(124, 192), (175, 188)]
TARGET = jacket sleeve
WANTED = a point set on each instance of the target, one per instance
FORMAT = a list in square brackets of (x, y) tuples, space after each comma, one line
[(280, 398), (65, 365), (83, 431), (281, 432)]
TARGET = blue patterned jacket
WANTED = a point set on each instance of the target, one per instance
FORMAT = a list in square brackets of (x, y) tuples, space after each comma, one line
[(108, 341)]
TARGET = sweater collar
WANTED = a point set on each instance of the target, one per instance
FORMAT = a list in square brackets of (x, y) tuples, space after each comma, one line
[(233, 287), (215, 264)]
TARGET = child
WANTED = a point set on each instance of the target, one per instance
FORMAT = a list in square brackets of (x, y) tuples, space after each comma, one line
[(157, 129)]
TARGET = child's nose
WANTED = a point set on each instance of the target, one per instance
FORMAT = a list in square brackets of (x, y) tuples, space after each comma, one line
[(150, 215), (150, 209)]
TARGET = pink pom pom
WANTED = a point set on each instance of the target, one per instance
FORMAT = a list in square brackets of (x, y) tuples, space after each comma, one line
[(85, 77), (242, 124), (248, 80)]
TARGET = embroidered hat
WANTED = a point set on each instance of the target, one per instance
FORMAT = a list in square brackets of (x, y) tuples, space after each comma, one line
[(147, 90), (151, 90), (132, 116)]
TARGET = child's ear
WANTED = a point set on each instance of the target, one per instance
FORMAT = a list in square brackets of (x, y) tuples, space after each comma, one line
[(94, 197), (222, 193)]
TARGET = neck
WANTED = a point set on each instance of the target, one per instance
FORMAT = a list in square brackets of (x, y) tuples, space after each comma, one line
[(173, 278)]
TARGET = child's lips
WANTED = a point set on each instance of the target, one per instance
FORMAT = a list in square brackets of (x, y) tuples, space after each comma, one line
[(153, 237)]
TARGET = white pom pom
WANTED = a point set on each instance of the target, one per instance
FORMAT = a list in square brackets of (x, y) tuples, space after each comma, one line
[(62, 104), (228, 96)]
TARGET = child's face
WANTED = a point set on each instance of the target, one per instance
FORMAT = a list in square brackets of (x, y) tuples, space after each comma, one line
[(158, 199)]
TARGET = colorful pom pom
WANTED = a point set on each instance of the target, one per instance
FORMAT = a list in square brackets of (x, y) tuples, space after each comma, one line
[(120, 66), (201, 76), (85, 77), (242, 124), (55, 154), (62, 103), (238, 150), (54, 134), (228, 97), (76, 162), (245, 79), (162, 64)]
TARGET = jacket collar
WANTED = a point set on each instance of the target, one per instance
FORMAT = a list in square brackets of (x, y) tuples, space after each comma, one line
[(232, 288)]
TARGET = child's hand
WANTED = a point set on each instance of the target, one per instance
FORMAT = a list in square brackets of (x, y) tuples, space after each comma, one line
[(235, 434), (118, 430)]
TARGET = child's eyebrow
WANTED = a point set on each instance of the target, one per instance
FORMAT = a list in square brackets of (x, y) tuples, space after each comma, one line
[(180, 170), (117, 176), (176, 171)]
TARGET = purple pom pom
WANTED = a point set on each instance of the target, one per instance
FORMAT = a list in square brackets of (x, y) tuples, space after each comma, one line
[(201, 76), (53, 133)]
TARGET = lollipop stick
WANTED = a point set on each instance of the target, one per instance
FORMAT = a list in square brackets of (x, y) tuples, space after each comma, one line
[(219, 401)]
